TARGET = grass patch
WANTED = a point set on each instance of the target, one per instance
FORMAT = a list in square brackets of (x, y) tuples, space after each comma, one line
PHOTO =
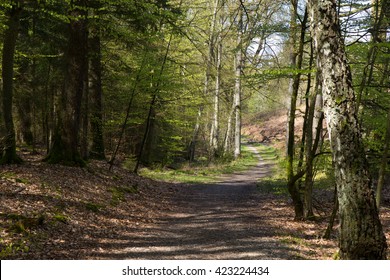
[(60, 218), (267, 152), (276, 182), (203, 171), (325, 180), (272, 185), (13, 177), (8, 175), (9, 249)]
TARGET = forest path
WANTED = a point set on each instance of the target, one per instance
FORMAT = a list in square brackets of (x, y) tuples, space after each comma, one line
[(225, 220)]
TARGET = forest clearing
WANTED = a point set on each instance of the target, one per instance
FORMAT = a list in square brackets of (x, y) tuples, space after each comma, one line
[(210, 129)]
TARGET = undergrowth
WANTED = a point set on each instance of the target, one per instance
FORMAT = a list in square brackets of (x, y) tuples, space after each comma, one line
[(276, 183), (203, 171)]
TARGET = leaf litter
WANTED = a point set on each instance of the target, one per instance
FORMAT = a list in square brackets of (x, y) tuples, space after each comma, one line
[(60, 212)]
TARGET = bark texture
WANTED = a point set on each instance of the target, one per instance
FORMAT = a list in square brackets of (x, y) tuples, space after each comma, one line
[(10, 38), (237, 88), (65, 147), (361, 235)]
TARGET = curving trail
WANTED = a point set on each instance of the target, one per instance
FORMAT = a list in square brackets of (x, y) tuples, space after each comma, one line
[(225, 220)]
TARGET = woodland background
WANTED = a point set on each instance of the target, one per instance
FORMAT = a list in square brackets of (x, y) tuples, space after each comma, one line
[(158, 85)]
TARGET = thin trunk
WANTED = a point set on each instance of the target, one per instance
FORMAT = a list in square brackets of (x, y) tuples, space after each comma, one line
[(215, 125), (308, 190), (129, 106), (361, 235), (384, 160), (310, 153), (25, 114), (332, 218), (379, 13), (318, 114), (296, 58), (34, 117), (46, 113), (192, 146), (209, 65), (309, 150), (237, 87), (228, 135), (152, 104), (26, 86), (10, 37), (146, 132), (24, 90)]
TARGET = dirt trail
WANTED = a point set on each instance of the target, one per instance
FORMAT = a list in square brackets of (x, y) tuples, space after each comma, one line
[(225, 220)]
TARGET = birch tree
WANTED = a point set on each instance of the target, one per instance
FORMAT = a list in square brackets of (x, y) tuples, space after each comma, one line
[(238, 64), (361, 235)]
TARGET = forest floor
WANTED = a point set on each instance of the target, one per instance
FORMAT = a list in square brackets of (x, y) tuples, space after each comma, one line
[(232, 219), (57, 212)]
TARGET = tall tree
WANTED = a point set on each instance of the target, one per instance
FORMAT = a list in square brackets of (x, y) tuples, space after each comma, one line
[(65, 148), (214, 137), (9, 44), (96, 90), (296, 59), (361, 235), (238, 64), (210, 58)]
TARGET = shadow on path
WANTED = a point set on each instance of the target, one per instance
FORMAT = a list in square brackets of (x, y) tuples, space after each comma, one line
[(212, 221)]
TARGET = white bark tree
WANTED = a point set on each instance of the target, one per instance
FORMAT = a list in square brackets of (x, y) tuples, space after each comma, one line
[(361, 235)]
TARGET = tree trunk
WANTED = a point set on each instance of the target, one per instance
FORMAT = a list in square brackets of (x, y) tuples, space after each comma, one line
[(215, 125), (128, 110), (195, 134), (382, 168), (65, 148), (309, 155), (376, 37), (237, 87), (96, 92), (386, 145), (24, 112), (209, 65), (311, 150), (311, 142), (84, 149), (146, 132), (10, 37), (361, 235), (151, 113), (25, 90), (296, 58), (228, 135)]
